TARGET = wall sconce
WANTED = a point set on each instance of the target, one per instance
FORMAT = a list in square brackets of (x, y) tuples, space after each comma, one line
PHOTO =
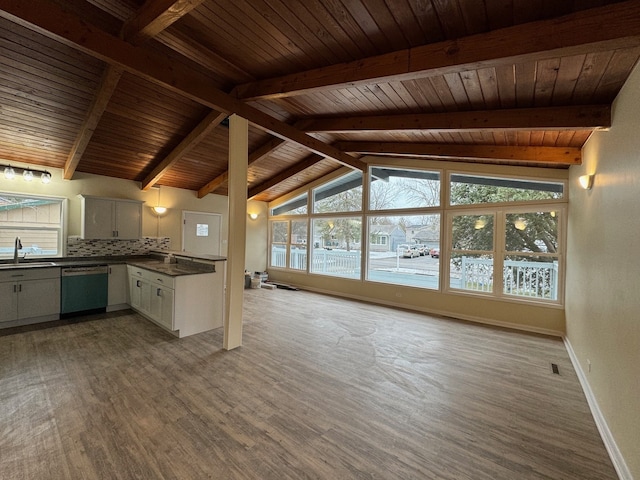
[(28, 174), (158, 210), (253, 216), (586, 181), (520, 223)]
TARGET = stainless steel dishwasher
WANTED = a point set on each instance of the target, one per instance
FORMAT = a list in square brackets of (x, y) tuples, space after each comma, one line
[(84, 289)]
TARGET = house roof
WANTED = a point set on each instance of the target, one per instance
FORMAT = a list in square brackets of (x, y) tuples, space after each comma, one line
[(142, 90)]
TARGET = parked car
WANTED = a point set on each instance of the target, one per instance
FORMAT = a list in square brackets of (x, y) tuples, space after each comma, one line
[(408, 251), (434, 252), (422, 249)]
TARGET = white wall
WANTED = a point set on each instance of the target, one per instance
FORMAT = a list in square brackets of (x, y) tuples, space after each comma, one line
[(603, 272)]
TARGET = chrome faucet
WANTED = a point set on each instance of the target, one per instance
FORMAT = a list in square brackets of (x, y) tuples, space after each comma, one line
[(17, 245)]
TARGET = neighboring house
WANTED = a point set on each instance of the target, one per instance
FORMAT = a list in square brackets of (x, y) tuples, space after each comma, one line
[(385, 238), (428, 235)]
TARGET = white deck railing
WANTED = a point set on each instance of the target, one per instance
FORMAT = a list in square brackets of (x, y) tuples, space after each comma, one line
[(521, 278)]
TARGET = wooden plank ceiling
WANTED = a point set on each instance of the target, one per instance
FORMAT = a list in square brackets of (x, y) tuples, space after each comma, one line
[(141, 90)]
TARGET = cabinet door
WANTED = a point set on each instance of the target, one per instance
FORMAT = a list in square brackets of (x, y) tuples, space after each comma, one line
[(145, 296), (162, 305), (128, 217), (98, 220), (8, 301), (37, 298), (117, 285), (135, 292)]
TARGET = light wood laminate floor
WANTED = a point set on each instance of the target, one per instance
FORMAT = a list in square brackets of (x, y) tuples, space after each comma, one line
[(323, 388)]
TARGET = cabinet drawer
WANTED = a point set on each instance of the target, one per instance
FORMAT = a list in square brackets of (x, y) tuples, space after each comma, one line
[(151, 276), (26, 273)]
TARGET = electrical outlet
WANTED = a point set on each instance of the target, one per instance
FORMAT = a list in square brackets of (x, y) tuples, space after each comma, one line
[(398, 294), (588, 365)]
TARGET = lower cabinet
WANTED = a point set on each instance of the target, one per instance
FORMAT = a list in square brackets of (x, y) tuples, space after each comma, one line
[(118, 296), (161, 309), (185, 304), (29, 294)]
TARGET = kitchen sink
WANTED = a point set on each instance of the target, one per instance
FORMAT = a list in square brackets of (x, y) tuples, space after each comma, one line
[(8, 266)]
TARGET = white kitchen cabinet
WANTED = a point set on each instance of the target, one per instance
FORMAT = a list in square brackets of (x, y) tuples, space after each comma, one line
[(162, 306), (139, 290), (27, 294), (8, 301), (152, 295), (104, 218), (183, 304), (117, 297)]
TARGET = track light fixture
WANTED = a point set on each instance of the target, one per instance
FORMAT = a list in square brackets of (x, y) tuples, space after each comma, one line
[(28, 174)]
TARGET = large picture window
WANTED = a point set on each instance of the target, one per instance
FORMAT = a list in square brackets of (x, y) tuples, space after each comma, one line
[(337, 246), (477, 189), (480, 234), (472, 252), (405, 250), (37, 221), (343, 194), (394, 188), (531, 254)]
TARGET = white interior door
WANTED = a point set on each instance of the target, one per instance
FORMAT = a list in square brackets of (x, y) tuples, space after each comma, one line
[(201, 232)]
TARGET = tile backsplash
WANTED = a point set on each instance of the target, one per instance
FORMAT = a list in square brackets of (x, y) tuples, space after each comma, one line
[(79, 247)]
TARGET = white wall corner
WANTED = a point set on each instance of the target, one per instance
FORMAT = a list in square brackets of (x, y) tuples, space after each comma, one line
[(609, 442)]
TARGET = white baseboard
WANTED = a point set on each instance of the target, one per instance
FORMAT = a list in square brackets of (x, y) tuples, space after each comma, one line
[(609, 442)]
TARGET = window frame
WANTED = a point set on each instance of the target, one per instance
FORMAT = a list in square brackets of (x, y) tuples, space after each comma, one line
[(61, 229), (500, 212), (445, 210)]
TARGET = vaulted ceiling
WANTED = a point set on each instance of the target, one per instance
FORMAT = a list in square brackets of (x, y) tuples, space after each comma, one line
[(142, 90)]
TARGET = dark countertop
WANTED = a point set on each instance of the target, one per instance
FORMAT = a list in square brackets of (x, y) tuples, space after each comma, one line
[(184, 263), (174, 269)]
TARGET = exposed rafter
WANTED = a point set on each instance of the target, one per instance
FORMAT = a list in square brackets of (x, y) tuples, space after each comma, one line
[(282, 176), (550, 155), (206, 126), (262, 151), (149, 20), (155, 16), (108, 84), (48, 19), (545, 118), (598, 29)]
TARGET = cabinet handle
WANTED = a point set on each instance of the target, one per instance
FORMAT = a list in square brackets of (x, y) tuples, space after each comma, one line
[(19, 287), (138, 283), (158, 292), (160, 280), (15, 289)]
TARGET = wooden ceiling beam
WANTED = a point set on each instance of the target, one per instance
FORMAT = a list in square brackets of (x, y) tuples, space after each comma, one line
[(214, 184), (107, 86), (206, 126), (549, 155), (285, 174), (49, 19), (259, 153), (583, 117), (610, 27), (155, 16)]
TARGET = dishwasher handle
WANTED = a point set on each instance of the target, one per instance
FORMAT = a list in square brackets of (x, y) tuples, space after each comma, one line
[(91, 270)]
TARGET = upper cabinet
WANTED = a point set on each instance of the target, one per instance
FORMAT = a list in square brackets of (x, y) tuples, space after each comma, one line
[(111, 218)]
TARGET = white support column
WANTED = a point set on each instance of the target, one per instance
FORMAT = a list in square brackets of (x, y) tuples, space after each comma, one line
[(237, 188)]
